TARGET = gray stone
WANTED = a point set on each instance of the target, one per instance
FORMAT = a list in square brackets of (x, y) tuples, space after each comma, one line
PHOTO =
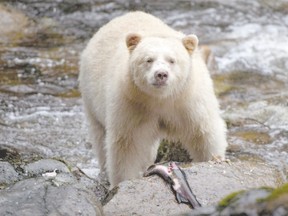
[(39, 196), (45, 165), (8, 174), (68, 200), (209, 182), (212, 182)]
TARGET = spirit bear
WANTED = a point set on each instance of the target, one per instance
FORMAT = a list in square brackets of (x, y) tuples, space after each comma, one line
[(141, 81)]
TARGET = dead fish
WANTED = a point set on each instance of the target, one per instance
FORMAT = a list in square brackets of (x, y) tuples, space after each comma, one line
[(176, 178)]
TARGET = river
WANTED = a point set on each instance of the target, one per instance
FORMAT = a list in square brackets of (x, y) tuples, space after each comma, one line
[(41, 112)]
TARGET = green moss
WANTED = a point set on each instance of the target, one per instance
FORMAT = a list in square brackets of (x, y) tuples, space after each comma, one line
[(228, 199), (277, 193)]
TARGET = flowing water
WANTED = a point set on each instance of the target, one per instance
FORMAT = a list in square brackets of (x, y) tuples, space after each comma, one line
[(40, 42)]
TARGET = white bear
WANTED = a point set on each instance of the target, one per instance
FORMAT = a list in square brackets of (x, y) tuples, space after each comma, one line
[(142, 81)]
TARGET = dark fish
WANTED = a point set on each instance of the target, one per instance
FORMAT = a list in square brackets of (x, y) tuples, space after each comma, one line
[(176, 178)]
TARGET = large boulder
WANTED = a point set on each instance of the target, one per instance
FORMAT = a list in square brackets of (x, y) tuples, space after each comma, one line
[(209, 182), (8, 174), (47, 188)]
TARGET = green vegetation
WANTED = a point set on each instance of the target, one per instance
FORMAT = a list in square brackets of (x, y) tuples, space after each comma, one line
[(278, 192), (172, 151), (228, 199)]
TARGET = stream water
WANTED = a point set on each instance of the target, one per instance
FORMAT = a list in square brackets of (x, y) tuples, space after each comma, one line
[(40, 41)]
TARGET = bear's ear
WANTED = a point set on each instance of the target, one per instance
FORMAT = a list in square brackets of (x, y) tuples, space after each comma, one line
[(132, 40), (190, 42)]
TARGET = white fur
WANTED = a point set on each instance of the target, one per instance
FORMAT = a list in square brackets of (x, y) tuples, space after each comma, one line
[(129, 114)]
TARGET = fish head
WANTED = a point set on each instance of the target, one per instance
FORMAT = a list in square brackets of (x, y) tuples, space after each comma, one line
[(161, 170)]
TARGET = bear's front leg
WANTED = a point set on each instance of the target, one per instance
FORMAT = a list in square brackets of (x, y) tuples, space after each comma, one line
[(208, 142), (130, 153)]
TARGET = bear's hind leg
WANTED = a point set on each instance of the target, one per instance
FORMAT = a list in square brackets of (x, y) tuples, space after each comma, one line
[(97, 134), (97, 137)]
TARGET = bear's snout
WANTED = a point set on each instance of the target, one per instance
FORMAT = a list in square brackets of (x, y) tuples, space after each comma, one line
[(160, 77)]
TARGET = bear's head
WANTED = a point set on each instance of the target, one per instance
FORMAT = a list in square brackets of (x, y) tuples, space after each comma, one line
[(160, 66)]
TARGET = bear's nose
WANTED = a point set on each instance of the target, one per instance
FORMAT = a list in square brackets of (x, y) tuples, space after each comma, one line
[(161, 76)]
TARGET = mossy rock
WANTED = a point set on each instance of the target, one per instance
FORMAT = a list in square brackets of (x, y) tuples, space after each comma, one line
[(172, 151), (230, 199), (12, 156), (278, 192), (264, 201)]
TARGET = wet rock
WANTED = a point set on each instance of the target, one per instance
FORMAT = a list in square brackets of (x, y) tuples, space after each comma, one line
[(12, 22), (48, 126), (144, 197), (38, 196), (254, 136), (261, 201), (209, 182), (45, 165), (64, 199), (47, 187), (8, 174), (243, 202), (281, 5), (9, 154)]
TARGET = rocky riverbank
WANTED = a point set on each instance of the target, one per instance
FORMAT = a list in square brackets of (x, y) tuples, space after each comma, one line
[(52, 187), (47, 167), (46, 187)]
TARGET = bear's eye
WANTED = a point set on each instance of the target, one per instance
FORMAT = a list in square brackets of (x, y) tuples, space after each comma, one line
[(149, 60), (171, 61)]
